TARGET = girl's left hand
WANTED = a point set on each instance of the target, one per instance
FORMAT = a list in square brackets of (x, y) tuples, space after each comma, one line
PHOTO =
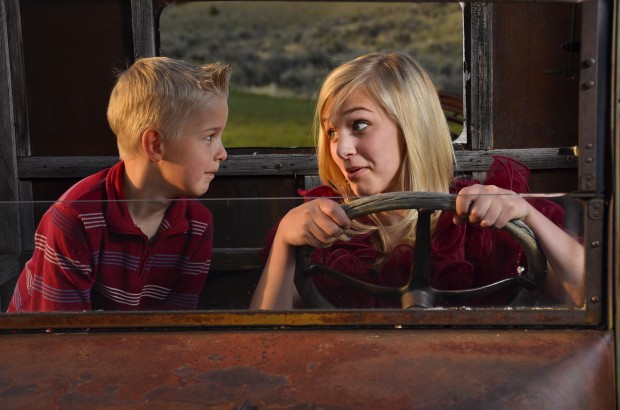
[(489, 206)]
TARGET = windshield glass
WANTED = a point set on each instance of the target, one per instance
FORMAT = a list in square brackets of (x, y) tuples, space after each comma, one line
[(208, 254)]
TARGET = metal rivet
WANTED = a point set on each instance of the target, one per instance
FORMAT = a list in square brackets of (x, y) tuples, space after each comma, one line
[(594, 299), (595, 244), (587, 85), (589, 62), (589, 145)]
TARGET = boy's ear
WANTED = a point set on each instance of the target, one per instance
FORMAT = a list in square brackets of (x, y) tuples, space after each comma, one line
[(152, 145)]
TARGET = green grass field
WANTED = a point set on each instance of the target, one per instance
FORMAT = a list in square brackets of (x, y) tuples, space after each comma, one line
[(262, 121), (279, 50)]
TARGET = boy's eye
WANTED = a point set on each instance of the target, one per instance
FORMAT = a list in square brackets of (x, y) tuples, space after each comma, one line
[(359, 125), (209, 138)]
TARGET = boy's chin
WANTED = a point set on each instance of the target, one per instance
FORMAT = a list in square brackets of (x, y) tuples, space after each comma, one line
[(195, 192), (199, 193)]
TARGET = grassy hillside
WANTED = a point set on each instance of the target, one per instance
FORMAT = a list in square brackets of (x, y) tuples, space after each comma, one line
[(280, 49), (257, 120), (294, 44)]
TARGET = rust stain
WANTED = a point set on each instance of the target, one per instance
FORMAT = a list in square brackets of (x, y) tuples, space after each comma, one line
[(361, 369)]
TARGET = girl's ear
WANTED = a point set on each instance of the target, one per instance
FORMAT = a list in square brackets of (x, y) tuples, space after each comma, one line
[(152, 145)]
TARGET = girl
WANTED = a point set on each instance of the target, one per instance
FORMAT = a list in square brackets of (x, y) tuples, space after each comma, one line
[(381, 128)]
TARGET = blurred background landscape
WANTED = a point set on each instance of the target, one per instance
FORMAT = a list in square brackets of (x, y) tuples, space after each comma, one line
[(280, 52)]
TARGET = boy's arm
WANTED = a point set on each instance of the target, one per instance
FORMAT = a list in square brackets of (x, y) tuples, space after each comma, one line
[(59, 275)]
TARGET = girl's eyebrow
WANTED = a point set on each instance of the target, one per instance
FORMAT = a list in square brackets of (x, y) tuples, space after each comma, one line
[(348, 111), (353, 109)]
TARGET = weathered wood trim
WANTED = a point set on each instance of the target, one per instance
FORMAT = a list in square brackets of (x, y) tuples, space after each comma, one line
[(9, 264), (8, 147), (592, 97), (143, 27), (10, 126), (534, 158), (26, 216), (62, 167), (479, 102), (235, 259), (287, 164), (17, 73)]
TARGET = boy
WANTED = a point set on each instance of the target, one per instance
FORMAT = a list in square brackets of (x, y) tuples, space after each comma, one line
[(125, 238)]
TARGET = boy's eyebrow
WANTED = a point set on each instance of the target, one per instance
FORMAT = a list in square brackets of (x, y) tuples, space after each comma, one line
[(216, 128)]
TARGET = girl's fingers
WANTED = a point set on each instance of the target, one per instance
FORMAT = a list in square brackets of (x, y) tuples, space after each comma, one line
[(488, 206), (489, 219), (318, 223), (335, 212)]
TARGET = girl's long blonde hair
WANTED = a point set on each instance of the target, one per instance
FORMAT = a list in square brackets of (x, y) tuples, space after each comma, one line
[(405, 92)]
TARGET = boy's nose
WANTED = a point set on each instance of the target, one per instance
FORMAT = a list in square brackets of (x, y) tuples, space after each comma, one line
[(221, 154)]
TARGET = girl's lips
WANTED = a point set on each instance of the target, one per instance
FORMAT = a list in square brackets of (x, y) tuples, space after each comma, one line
[(354, 172)]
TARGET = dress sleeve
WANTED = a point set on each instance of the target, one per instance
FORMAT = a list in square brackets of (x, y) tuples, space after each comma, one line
[(59, 276), (511, 174), (467, 255)]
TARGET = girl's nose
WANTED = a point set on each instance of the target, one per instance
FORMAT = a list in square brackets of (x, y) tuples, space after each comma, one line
[(345, 146)]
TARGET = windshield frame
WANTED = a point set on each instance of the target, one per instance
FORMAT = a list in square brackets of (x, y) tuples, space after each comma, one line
[(590, 162)]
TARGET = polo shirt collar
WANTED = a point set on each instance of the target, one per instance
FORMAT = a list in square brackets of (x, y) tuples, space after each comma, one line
[(117, 214)]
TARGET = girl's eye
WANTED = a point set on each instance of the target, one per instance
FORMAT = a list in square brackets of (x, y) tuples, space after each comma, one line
[(209, 138), (331, 133), (359, 125)]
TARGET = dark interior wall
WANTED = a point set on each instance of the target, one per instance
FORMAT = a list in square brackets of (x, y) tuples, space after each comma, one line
[(534, 104), (71, 52), (535, 97)]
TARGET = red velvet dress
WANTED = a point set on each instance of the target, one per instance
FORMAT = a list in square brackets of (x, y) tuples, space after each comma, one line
[(462, 256)]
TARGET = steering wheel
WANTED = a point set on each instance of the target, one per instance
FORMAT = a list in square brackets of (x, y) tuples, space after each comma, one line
[(418, 292)]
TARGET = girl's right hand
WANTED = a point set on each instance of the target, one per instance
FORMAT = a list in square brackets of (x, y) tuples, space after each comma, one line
[(317, 223)]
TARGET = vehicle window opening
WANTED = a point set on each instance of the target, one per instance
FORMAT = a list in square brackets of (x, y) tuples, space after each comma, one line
[(280, 53)]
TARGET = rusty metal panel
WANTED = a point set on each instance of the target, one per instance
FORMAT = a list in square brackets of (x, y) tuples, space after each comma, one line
[(361, 369)]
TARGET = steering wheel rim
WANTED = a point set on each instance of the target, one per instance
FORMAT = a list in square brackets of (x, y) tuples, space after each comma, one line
[(419, 293)]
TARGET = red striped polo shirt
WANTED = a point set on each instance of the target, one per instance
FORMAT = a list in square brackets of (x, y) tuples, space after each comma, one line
[(89, 255)]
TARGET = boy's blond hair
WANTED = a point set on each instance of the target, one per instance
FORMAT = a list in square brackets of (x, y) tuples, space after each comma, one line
[(161, 93), (405, 92)]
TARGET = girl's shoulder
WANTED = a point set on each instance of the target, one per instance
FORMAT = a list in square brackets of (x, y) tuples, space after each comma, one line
[(504, 172)]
